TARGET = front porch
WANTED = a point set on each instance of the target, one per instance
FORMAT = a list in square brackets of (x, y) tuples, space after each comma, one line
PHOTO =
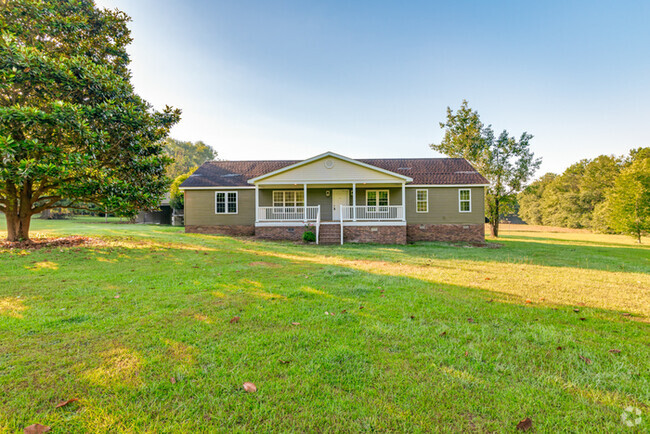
[(330, 189), (315, 205)]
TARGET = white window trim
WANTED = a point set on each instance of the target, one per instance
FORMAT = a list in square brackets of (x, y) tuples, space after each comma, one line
[(387, 197), (464, 200), (284, 199), (426, 201), (226, 193)]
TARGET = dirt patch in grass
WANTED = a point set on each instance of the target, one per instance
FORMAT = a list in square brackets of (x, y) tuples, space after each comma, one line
[(537, 228), (42, 243), (263, 264), (491, 245)]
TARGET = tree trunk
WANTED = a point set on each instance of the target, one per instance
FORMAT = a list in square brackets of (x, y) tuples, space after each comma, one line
[(494, 228), (18, 227), (11, 227), (18, 211), (494, 219)]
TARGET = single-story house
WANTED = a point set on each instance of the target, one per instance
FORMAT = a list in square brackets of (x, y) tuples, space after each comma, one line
[(391, 201)]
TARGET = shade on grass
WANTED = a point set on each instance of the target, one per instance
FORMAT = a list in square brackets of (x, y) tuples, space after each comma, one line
[(424, 337)]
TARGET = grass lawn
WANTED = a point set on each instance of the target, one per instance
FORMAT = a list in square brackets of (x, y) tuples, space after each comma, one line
[(426, 337)]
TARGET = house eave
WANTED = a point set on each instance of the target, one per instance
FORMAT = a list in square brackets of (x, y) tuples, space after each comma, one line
[(445, 185), (217, 187)]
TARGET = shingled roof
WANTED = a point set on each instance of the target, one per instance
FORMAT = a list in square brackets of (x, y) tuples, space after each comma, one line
[(424, 171)]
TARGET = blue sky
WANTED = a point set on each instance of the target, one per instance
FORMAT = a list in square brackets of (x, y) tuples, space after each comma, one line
[(292, 79)]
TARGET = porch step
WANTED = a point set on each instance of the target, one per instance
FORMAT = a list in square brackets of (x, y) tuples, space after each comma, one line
[(329, 234)]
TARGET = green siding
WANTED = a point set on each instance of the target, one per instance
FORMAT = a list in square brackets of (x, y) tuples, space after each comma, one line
[(443, 206), (200, 207), (318, 196)]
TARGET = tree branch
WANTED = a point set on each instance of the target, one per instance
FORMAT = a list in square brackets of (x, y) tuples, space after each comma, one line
[(43, 188), (46, 198), (49, 204), (85, 208)]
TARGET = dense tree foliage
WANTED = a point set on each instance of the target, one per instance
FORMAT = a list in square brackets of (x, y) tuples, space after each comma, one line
[(72, 129), (505, 162), (580, 196), (628, 203), (177, 198), (530, 206), (186, 155)]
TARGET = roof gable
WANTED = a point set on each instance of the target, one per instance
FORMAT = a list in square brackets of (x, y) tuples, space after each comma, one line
[(329, 167)]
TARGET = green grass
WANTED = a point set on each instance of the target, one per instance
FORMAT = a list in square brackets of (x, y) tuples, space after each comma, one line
[(410, 360)]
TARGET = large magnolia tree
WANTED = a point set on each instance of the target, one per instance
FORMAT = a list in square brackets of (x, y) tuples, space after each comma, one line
[(72, 130), (507, 163)]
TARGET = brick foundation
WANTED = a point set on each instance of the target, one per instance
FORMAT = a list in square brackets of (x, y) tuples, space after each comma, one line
[(222, 229), (291, 233), (470, 233), (374, 234)]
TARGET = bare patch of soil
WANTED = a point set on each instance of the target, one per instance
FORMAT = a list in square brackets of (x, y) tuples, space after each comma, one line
[(263, 264), (507, 227)]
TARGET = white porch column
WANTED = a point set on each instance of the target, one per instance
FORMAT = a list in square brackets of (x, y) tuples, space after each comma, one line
[(403, 201), (354, 201), (257, 203), (304, 189)]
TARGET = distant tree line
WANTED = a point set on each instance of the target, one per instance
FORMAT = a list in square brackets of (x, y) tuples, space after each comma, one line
[(607, 194)]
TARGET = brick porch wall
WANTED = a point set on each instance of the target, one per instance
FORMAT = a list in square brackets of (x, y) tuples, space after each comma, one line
[(291, 233), (222, 229), (375, 234), (470, 233)]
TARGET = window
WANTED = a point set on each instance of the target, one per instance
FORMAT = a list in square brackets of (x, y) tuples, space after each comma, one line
[(465, 200), (376, 198), (225, 202), (288, 199), (422, 200)]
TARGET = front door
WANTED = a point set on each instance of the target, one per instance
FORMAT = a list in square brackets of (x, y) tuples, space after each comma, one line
[(339, 197)]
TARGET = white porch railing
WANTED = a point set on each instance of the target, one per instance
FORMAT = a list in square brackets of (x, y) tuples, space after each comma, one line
[(285, 214), (376, 213)]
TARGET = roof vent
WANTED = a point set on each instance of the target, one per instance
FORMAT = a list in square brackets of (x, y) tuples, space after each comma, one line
[(465, 171), (403, 168), (228, 175)]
